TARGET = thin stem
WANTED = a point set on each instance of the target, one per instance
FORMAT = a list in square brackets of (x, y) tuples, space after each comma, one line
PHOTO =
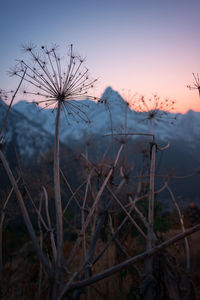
[(83, 215), (127, 213), (122, 223), (53, 245), (58, 203), (91, 212), (187, 249), (69, 187), (140, 257), (41, 238), (150, 232), (11, 102)]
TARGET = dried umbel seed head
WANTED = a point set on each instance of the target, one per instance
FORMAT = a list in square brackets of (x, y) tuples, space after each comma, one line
[(196, 84), (53, 79), (154, 108)]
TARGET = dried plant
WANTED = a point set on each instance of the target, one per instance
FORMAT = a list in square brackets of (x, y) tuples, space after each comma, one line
[(196, 83), (153, 109), (55, 80)]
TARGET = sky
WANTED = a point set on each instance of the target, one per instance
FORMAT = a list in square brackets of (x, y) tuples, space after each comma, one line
[(145, 47)]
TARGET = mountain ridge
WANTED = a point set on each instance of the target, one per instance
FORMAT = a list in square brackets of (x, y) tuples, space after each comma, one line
[(31, 132), (109, 115)]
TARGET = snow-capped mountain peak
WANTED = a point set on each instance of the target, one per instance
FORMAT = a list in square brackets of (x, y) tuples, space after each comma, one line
[(29, 124)]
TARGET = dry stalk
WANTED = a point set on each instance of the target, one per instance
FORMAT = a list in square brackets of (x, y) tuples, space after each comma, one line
[(133, 260), (119, 227), (147, 195), (150, 231), (151, 196), (11, 102), (91, 212), (117, 242), (142, 217), (53, 244), (187, 249), (133, 133), (73, 195), (69, 187), (58, 203), (41, 238), (95, 234), (83, 214), (36, 209), (127, 213), (122, 248), (66, 287)]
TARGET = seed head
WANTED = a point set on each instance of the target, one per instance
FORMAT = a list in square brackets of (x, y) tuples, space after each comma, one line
[(56, 79), (196, 83), (153, 108)]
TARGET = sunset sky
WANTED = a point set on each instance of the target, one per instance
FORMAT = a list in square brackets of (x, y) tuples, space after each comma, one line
[(145, 46)]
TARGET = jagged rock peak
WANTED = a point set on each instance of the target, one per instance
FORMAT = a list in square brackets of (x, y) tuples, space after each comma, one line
[(112, 97)]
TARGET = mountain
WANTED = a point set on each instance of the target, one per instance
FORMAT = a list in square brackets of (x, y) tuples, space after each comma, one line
[(30, 131), (23, 135), (112, 114), (31, 128)]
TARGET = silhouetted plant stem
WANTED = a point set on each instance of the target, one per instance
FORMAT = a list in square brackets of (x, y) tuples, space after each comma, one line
[(34, 206), (57, 195), (150, 231), (83, 215), (187, 249), (91, 212), (127, 213), (66, 287), (77, 293), (53, 245), (147, 195), (95, 235), (122, 248), (142, 218), (69, 187), (11, 102), (86, 270), (117, 242), (140, 257), (41, 238), (122, 223), (26, 218)]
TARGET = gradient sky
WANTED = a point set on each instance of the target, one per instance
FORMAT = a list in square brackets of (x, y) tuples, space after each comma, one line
[(146, 46)]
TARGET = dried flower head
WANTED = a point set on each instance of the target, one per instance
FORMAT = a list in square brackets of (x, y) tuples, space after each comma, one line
[(154, 108), (56, 79), (196, 84)]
